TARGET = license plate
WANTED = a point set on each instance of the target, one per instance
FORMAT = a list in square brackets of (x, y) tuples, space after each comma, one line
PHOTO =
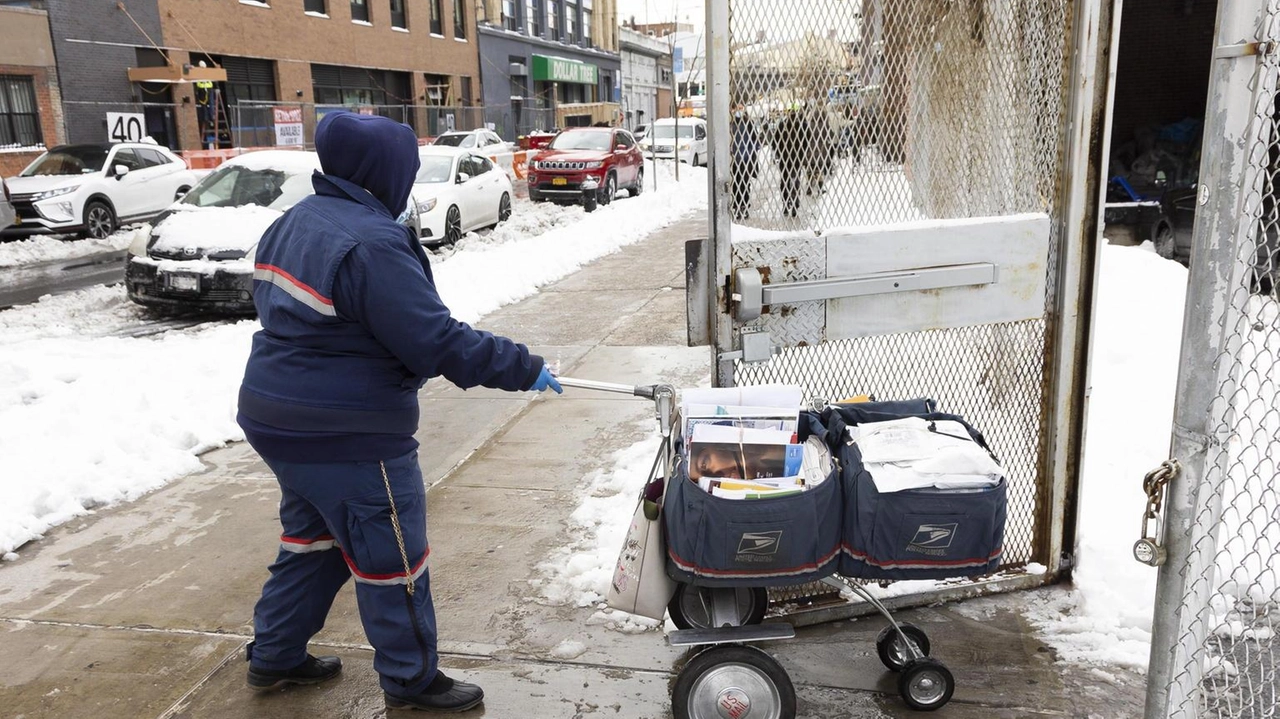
[(559, 181), (183, 283)]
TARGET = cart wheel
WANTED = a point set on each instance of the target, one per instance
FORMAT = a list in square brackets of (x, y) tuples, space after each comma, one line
[(690, 607), (733, 682), (891, 650), (925, 684)]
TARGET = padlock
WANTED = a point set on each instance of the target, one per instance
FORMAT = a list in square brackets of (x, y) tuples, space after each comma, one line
[(1148, 551)]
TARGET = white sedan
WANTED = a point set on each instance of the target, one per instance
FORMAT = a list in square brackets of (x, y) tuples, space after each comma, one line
[(485, 142), (457, 191)]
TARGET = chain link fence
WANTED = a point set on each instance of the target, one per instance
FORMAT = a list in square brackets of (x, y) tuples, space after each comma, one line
[(888, 112), (1215, 651)]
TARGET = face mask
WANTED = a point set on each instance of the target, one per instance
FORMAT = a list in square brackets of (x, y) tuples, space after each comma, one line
[(737, 115)]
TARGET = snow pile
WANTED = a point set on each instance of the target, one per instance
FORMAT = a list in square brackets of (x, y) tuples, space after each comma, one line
[(86, 422), (578, 574), (87, 419), (514, 270), (47, 248), (1138, 332)]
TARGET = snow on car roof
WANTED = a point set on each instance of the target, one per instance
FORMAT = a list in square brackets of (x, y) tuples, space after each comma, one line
[(449, 150), (292, 162)]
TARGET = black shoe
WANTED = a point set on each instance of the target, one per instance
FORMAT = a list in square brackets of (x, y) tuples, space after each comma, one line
[(444, 695), (312, 671)]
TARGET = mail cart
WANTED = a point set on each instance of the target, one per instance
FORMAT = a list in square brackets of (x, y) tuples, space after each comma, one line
[(724, 555)]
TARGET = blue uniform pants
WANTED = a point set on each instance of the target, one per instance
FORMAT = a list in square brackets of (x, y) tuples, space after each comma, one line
[(337, 523)]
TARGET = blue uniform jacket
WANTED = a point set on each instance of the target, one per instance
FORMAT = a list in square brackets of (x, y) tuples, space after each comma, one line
[(352, 326)]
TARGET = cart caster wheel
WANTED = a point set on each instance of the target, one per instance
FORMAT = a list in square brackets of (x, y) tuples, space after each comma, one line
[(925, 684), (690, 607), (733, 682), (892, 653)]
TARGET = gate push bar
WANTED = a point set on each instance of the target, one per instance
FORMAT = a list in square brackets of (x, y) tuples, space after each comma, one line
[(751, 295)]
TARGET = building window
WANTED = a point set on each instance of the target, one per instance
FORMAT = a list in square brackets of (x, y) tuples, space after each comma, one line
[(319, 7), (466, 89), (533, 17), (437, 89), (509, 19), (359, 10), (571, 21), (553, 20), (586, 23), (19, 116), (459, 20), (437, 25), (519, 86), (384, 92), (397, 15)]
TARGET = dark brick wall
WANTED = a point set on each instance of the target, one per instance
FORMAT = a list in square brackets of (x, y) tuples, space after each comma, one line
[(95, 73), (1162, 72)]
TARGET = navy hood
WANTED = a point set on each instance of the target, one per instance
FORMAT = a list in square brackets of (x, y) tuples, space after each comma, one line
[(374, 152)]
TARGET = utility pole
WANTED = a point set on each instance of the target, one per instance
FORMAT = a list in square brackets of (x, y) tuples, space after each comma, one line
[(675, 99)]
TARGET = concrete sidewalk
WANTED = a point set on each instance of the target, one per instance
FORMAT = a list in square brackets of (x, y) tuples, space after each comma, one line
[(143, 610)]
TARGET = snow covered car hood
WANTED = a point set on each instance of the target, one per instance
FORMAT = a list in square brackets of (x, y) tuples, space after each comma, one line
[(198, 232), (40, 183)]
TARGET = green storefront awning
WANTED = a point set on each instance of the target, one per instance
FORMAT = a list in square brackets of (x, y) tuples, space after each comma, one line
[(560, 69)]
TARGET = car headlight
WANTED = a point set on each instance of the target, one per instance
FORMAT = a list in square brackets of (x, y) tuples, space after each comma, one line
[(427, 205), (57, 192), (141, 241), (595, 164), (684, 146)]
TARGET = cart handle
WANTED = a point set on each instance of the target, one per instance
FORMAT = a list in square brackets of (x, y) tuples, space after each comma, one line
[(646, 391)]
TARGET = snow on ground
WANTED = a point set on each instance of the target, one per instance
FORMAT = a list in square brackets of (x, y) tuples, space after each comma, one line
[(578, 574), (88, 419), (1138, 327), (45, 248)]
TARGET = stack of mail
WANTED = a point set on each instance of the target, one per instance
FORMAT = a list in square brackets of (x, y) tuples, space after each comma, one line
[(914, 453)]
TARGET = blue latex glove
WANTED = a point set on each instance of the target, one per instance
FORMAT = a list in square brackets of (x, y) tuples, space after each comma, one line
[(546, 380)]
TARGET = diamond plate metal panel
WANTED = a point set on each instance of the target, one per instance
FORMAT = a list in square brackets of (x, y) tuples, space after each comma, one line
[(788, 259)]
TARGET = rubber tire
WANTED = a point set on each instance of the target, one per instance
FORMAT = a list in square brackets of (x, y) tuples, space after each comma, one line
[(913, 670), (694, 161), (1163, 238), (452, 229), (889, 641), (112, 222), (504, 207), (675, 608), (609, 190), (181, 192), (638, 188), (732, 654)]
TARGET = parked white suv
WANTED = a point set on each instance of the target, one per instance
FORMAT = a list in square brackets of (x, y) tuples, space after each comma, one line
[(691, 146), (93, 189)]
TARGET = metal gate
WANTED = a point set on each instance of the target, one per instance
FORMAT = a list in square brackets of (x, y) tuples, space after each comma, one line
[(904, 203), (1214, 649)]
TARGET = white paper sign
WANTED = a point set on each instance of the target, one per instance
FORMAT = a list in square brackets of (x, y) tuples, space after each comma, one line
[(288, 122), (125, 127)]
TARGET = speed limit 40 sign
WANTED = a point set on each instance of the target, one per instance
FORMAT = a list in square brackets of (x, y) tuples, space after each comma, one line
[(125, 127)]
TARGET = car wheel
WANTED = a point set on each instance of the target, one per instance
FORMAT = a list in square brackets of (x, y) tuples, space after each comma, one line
[(504, 208), (639, 186), (99, 220), (694, 162), (1162, 238), (181, 191), (609, 190), (452, 225)]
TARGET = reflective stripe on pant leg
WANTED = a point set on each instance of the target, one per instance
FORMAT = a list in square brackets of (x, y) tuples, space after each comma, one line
[(298, 545)]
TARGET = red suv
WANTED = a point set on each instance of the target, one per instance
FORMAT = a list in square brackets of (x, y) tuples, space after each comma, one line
[(603, 157)]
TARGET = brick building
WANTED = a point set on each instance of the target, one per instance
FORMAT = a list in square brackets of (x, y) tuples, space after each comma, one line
[(30, 104), (398, 58), (646, 78)]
